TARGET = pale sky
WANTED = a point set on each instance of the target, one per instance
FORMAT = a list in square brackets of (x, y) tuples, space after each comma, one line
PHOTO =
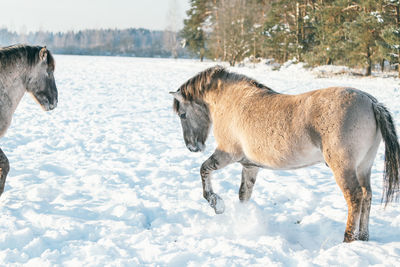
[(65, 15)]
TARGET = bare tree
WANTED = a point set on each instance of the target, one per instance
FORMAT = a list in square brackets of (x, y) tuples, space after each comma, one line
[(171, 31), (236, 29)]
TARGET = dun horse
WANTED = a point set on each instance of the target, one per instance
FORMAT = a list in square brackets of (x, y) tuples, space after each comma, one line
[(23, 69), (261, 128)]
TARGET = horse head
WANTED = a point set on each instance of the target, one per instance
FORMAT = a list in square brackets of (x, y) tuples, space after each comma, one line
[(195, 121), (40, 81)]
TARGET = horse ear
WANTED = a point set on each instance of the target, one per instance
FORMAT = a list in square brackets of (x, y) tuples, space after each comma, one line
[(43, 54), (177, 95)]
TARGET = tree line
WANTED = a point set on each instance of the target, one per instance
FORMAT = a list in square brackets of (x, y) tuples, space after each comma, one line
[(359, 33), (110, 42)]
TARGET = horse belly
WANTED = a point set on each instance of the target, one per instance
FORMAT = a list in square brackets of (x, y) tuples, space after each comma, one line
[(286, 159), (304, 159)]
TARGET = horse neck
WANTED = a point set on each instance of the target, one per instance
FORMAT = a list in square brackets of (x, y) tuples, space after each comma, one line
[(13, 84), (223, 99)]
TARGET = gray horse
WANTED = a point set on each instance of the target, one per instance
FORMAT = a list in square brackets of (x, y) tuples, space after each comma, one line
[(23, 69), (260, 128)]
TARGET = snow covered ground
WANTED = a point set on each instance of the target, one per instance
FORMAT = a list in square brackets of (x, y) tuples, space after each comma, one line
[(105, 180)]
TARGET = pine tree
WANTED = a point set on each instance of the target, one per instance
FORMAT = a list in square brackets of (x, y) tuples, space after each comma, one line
[(288, 29), (328, 18), (391, 33), (364, 33), (279, 37), (193, 33)]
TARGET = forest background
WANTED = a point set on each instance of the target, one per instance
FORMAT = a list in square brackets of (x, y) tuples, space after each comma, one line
[(362, 34)]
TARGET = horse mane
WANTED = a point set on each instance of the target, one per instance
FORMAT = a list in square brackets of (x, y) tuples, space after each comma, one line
[(9, 55), (194, 88)]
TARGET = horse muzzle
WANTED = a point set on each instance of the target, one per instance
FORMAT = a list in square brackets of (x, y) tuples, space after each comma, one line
[(52, 103), (47, 106), (196, 148), (53, 106), (47, 103)]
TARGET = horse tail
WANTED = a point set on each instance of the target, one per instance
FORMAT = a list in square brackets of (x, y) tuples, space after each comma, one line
[(391, 179)]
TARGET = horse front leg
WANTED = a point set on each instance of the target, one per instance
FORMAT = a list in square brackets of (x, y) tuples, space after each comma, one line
[(4, 168), (217, 160), (249, 174)]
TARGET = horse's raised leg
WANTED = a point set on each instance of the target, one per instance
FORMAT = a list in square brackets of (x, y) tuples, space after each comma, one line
[(217, 160), (348, 183), (4, 168), (249, 174)]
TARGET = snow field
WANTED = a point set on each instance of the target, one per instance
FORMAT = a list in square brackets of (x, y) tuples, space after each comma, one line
[(105, 180)]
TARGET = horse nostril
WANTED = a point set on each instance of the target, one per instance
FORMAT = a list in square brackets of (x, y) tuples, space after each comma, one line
[(52, 106), (193, 148)]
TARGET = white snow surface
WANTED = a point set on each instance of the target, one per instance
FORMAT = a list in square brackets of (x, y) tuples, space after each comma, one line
[(106, 180)]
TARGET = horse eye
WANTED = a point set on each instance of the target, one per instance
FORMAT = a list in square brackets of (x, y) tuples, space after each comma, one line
[(183, 116)]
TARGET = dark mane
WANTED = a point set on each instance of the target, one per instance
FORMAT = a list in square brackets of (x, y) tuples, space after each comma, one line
[(10, 54), (196, 86), (204, 81)]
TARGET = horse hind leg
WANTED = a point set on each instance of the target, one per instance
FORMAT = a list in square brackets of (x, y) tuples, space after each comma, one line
[(4, 169), (353, 194), (249, 175), (364, 179)]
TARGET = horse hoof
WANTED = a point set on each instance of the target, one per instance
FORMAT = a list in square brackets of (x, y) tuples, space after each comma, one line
[(244, 199), (363, 237), (349, 238), (217, 204)]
